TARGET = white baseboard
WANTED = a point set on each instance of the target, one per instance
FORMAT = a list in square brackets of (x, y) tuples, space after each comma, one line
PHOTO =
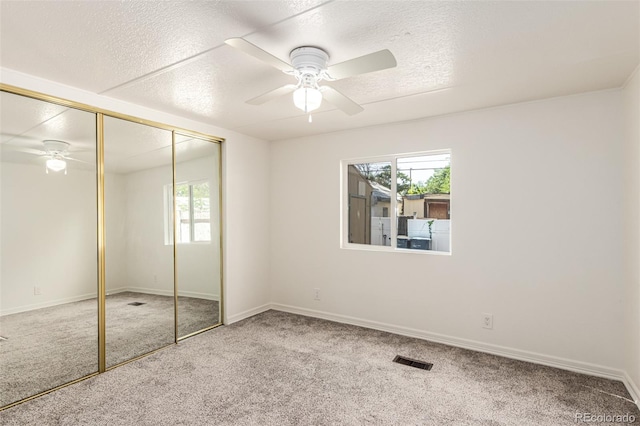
[(116, 290), (144, 290), (533, 357), (633, 389), (246, 314), (206, 296), (56, 302), (153, 291)]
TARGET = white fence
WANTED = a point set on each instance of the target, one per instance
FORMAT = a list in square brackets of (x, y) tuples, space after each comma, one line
[(381, 231), (440, 232)]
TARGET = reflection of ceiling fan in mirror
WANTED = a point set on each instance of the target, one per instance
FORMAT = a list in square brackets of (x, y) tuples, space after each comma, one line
[(309, 65), (56, 152)]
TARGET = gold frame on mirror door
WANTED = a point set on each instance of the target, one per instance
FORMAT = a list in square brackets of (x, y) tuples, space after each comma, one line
[(102, 282), (175, 231), (101, 244)]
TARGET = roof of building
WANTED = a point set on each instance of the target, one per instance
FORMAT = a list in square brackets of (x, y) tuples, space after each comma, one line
[(427, 196), (380, 192)]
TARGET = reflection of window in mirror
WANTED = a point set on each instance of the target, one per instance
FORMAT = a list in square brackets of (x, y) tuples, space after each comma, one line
[(193, 212)]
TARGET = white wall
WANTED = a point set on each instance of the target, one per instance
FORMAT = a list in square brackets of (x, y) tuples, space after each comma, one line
[(198, 265), (245, 167), (40, 208), (149, 261), (48, 237), (246, 224), (632, 230), (145, 262), (115, 232), (555, 289)]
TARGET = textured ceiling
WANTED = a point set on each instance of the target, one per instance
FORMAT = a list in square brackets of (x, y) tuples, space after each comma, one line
[(129, 147), (452, 56)]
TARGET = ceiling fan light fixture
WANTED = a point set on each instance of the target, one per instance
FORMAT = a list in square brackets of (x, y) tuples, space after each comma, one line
[(310, 65), (307, 98), (56, 164)]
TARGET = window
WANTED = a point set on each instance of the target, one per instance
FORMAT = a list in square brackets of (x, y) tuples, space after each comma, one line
[(368, 197), (193, 212), (412, 214)]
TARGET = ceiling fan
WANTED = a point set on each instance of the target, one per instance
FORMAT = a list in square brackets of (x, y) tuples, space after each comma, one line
[(309, 65), (56, 152)]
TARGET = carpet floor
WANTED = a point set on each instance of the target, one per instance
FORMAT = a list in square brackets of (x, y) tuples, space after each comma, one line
[(52, 346), (277, 368)]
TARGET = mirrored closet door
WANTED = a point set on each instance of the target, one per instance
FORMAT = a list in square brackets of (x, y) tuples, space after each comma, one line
[(110, 240), (198, 251), (138, 176), (48, 246)]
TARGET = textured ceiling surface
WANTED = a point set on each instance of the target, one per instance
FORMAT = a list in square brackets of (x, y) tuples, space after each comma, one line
[(452, 56), (25, 123)]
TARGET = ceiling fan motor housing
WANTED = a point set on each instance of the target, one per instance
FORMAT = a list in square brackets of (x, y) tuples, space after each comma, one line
[(309, 60), (52, 147)]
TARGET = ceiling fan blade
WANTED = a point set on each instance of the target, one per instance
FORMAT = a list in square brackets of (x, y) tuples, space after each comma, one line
[(253, 50), (336, 98), (376, 61), (266, 97), (79, 161), (26, 150)]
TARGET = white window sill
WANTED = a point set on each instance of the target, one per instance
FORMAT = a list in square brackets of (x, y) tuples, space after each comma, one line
[(389, 249)]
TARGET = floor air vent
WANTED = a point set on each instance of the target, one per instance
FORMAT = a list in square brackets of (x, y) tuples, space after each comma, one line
[(412, 362), (135, 303)]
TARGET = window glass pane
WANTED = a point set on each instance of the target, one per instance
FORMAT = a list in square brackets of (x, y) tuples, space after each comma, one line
[(183, 212), (369, 200), (168, 214), (202, 231), (423, 186), (201, 212)]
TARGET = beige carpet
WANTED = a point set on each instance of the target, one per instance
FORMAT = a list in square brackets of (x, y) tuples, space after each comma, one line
[(52, 346), (282, 369)]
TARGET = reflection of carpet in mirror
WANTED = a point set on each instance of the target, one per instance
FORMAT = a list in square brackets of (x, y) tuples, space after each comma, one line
[(136, 330), (52, 346)]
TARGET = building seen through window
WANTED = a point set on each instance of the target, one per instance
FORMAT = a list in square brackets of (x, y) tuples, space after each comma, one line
[(420, 202)]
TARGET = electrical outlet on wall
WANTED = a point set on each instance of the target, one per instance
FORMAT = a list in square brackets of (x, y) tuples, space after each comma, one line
[(487, 321), (36, 291), (316, 294)]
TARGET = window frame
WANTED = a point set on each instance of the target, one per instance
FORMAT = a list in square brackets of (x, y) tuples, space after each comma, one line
[(393, 210), (170, 213)]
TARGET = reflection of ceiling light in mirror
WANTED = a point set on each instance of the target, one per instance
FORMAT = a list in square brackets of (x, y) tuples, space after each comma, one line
[(56, 165)]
